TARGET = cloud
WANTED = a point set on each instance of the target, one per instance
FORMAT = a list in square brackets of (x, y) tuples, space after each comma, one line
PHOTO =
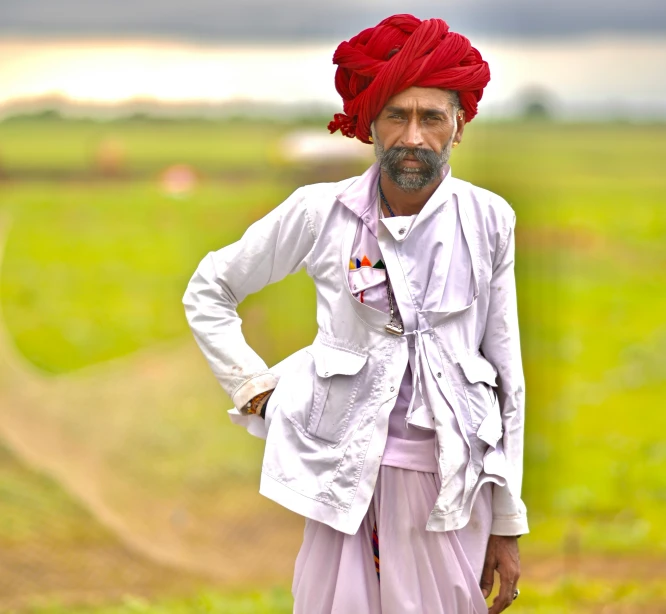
[(297, 20)]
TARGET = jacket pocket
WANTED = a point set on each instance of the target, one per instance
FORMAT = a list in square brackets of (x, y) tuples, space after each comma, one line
[(286, 371), (335, 388), (480, 381)]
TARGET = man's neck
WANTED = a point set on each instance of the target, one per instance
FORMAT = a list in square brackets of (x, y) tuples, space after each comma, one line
[(406, 203)]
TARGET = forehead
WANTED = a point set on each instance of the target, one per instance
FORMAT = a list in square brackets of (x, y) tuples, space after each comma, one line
[(420, 97)]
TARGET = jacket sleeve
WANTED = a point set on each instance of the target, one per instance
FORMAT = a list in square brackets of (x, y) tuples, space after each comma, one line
[(270, 249), (501, 346)]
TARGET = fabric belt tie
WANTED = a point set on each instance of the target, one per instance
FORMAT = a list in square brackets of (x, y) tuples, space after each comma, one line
[(418, 373)]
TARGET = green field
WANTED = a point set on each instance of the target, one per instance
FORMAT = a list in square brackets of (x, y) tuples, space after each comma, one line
[(94, 269)]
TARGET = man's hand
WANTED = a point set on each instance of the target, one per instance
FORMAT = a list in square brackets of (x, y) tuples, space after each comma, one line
[(502, 555)]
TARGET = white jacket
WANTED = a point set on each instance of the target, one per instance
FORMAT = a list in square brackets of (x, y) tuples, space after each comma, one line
[(327, 421)]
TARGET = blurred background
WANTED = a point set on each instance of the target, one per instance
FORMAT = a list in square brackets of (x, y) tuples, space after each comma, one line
[(136, 137)]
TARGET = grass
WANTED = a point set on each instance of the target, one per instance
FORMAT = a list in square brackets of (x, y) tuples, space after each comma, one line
[(111, 263), (273, 602)]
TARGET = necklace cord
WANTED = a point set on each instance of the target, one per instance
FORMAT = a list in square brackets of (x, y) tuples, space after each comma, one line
[(393, 324), (381, 194)]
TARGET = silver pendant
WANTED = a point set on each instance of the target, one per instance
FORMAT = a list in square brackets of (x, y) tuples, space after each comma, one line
[(394, 329)]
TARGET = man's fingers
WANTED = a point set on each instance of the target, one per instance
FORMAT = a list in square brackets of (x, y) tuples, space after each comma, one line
[(503, 600), (505, 597), (499, 605), (488, 576)]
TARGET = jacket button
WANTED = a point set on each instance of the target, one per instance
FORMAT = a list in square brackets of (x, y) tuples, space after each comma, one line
[(392, 388), (439, 374), (326, 374), (401, 231)]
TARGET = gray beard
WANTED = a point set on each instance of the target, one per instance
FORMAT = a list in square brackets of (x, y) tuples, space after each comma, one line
[(412, 179)]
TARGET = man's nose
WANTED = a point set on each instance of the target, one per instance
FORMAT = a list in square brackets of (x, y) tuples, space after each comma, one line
[(412, 136)]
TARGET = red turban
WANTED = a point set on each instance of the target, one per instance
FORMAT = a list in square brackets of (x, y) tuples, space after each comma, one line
[(401, 52)]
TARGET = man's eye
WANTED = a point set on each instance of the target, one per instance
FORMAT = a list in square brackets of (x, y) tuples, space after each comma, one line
[(395, 116), (432, 118)]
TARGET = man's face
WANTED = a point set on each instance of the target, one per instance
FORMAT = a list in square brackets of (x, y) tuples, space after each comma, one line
[(413, 136)]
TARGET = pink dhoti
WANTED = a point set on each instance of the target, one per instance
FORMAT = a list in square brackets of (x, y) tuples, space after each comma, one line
[(420, 572)]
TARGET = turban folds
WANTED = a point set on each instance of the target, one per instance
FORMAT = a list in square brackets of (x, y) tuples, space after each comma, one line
[(401, 52)]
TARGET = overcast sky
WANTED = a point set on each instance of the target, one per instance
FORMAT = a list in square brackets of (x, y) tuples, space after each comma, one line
[(296, 20)]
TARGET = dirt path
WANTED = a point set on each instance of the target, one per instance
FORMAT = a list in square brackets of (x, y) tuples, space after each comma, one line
[(83, 573), (76, 428)]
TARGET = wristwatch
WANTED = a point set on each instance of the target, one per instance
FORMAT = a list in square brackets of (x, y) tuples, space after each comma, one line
[(256, 406)]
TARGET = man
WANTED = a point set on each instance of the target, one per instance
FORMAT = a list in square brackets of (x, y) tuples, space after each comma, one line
[(398, 433)]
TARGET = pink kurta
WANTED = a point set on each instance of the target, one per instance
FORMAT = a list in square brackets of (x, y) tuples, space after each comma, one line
[(421, 571)]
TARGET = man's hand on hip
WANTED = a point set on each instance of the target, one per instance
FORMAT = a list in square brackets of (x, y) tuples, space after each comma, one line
[(502, 555)]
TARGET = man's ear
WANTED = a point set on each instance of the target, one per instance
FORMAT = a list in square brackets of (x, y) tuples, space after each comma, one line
[(460, 125), (373, 136)]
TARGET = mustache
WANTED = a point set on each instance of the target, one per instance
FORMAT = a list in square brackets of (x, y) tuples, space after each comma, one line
[(395, 155)]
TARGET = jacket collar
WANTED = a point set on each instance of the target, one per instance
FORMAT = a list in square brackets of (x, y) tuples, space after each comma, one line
[(361, 197)]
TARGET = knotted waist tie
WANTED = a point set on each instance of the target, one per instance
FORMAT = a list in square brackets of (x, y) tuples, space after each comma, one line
[(418, 371)]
